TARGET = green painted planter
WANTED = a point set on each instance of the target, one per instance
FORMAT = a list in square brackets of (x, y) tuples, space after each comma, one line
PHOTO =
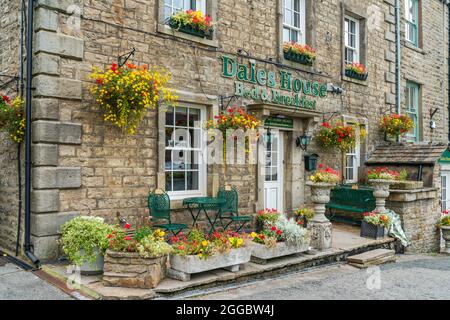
[(357, 76), (299, 58), (190, 30)]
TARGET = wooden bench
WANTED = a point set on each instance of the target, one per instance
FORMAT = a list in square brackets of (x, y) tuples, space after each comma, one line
[(346, 199)]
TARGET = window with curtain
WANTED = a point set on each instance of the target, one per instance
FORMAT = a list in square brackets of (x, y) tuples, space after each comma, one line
[(173, 6), (294, 21), (184, 166), (351, 37), (412, 21), (413, 109)]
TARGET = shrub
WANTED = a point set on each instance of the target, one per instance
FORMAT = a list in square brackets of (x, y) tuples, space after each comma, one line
[(12, 118)]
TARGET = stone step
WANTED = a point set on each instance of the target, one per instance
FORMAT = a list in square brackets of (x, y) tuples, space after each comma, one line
[(377, 262), (370, 256)]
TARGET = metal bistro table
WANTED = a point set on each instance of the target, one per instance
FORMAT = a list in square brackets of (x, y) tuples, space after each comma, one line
[(205, 204)]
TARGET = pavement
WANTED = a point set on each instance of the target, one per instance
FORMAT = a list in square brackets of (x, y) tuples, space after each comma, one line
[(413, 277), (17, 284)]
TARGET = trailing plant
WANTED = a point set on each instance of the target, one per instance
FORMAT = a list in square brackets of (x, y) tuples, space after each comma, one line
[(303, 50), (338, 135), (377, 219), (357, 68), (194, 19), (125, 94), (444, 221), (396, 125), (383, 173), (325, 175), (83, 237), (12, 118)]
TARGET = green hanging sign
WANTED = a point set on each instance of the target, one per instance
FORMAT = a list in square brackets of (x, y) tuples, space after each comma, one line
[(281, 123), (445, 158)]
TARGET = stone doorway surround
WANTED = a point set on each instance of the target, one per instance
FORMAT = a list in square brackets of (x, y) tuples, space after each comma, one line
[(294, 169)]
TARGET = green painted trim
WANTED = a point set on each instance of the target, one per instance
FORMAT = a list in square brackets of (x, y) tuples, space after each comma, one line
[(282, 123)]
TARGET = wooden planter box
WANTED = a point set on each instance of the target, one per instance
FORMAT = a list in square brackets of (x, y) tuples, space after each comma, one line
[(299, 58), (129, 270), (371, 231), (357, 76), (261, 254), (190, 30), (182, 267)]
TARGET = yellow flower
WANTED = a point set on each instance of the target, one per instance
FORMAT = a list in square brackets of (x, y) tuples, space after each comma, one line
[(205, 243), (253, 235)]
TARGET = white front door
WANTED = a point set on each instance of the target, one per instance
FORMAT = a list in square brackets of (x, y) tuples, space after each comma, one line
[(273, 185), (445, 190)]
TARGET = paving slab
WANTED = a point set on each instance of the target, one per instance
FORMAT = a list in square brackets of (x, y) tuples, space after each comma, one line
[(372, 255), (376, 262), (115, 293)]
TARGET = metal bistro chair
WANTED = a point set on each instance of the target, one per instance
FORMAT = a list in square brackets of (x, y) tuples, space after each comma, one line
[(159, 205), (229, 211)]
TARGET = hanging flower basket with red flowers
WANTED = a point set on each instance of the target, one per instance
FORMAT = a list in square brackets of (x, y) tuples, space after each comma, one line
[(125, 94), (12, 118), (396, 125), (296, 52), (356, 71), (340, 136), (192, 22)]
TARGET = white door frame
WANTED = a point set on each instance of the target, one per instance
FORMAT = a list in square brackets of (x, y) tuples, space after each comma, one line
[(279, 184), (445, 189)]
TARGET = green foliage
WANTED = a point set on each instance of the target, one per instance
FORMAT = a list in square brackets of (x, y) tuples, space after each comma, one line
[(83, 237), (153, 247), (142, 232), (12, 118)]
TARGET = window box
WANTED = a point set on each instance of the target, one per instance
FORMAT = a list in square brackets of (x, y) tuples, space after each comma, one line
[(371, 231), (354, 75), (191, 30), (299, 58)]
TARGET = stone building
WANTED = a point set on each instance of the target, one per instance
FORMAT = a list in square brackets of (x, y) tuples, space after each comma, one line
[(83, 166)]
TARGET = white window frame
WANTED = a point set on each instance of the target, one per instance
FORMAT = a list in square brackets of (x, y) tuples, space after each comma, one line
[(186, 5), (445, 190), (301, 29), (412, 20), (202, 165), (357, 34), (412, 108), (356, 156)]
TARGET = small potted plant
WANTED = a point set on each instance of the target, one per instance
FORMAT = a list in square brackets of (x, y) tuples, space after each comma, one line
[(84, 241), (137, 260), (396, 125), (444, 224), (266, 216), (373, 225), (356, 71), (281, 238), (198, 252), (192, 22), (302, 54), (303, 216)]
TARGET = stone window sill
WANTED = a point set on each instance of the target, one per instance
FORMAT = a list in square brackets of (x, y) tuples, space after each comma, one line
[(410, 46), (355, 81), (169, 31)]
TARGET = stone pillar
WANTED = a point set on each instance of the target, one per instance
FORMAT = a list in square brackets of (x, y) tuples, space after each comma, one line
[(419, 211), (52, 51), (321, 228)]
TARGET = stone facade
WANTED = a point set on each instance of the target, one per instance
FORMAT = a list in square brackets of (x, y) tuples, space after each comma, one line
[(83, 166)]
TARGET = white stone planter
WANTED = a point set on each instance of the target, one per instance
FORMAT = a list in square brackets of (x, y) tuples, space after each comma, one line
[(95, 267), (182, 267), (446, 236), (320, 226), (261, 253), (381, 193)]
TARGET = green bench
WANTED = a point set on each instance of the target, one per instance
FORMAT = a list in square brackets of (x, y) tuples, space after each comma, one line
[(346, 199)]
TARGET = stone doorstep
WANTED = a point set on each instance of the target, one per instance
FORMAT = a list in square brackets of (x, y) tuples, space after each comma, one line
[(381, 261), (369, 256)]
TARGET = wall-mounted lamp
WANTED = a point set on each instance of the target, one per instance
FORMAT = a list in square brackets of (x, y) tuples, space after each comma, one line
[(303, 141)]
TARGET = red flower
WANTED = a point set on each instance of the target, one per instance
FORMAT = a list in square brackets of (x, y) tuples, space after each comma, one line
[(127, 226), (127, 238), (99, 81), (274, 229), (114, 67), (279, 233), (6, 99), (110, 236)]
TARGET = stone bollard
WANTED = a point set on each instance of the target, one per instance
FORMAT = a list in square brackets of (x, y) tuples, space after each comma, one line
[(320, 227)]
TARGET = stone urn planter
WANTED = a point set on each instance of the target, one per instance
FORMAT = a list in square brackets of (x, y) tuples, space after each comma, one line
[(381, 193), (129, 270), (320, 226), (446, 236), (93, 268), (261, 254), (182, 267)]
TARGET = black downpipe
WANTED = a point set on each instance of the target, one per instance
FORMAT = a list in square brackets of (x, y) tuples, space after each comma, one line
[(448, 65), (27, 246)]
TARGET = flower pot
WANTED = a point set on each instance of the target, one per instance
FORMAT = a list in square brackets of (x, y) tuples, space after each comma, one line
[(371, 231), (299, 58), (355, 75), (188, 29), (182, 267), (261, 253), (381, 193), (446, 236), (129, 270), (92, 268)]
